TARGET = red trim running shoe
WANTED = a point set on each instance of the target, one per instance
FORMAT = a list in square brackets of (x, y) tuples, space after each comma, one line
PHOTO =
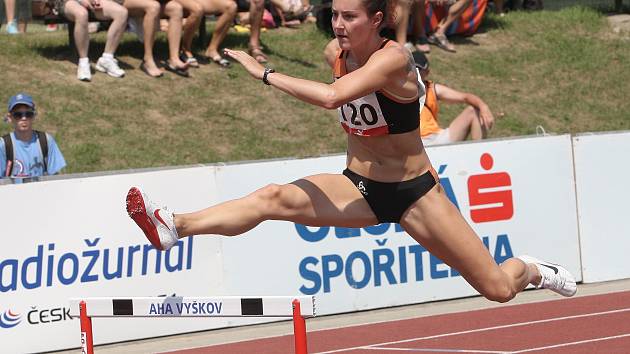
[(553, 277), (156, 223)]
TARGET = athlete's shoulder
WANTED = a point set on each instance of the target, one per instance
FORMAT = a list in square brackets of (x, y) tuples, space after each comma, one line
[(395, 55)]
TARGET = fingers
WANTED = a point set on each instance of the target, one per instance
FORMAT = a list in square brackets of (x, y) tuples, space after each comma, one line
[(249, 63)]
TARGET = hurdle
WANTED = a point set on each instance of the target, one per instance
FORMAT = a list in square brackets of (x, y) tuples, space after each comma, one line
[(296, 307)]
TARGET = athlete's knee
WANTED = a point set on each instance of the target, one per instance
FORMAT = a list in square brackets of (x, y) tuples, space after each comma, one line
[(499, 289), (269, 197)]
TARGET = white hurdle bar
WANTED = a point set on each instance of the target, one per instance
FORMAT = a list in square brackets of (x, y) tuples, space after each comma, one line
[(297, 307)]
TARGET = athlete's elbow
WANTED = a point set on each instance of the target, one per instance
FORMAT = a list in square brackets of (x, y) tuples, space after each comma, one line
[(330, 105), (331, 101)]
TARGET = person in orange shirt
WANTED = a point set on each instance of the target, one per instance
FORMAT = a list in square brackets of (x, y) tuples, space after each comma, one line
[(475, 120)]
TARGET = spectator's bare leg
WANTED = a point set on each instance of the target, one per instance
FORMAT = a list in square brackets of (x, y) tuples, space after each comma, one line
[(9, 7), (468, 122), (195, 16), (149, 10), (79, 15), (498, 7), (454, 12), (175, 13), (402, 20), (227, 8), (256, 8), (282, 5), (118, 15), (418, 16)]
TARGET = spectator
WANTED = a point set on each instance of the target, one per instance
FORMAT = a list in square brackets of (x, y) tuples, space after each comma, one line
[(17, 17), (26, 154), (78, 12), (455, 10), (290, 13), (148, 12), (475, 120), (498, 7), (409, 15), (226, 11), (255, 8)]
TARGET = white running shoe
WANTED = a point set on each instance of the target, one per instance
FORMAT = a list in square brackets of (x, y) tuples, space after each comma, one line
[(156, 223), (109, 66), (84, 72), (553, 276)]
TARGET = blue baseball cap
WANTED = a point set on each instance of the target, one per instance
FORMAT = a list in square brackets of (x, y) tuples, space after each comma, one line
[(21, 98)]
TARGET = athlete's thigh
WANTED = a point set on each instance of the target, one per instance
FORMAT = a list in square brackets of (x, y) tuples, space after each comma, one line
[(328, 200), (435, 223)]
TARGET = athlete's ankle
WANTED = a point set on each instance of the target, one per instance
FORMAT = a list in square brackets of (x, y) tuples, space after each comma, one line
[(535, 275)]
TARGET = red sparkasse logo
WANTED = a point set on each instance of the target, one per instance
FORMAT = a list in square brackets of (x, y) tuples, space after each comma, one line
[(490, 194)]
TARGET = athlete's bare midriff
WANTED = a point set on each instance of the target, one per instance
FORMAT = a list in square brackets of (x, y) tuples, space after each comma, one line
[(387, 158)]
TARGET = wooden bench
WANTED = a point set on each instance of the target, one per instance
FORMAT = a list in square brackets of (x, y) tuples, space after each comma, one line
[(42, 10)]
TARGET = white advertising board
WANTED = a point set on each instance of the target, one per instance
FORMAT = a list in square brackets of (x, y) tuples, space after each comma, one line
[(517, 194), (73, 238), (602, 175)]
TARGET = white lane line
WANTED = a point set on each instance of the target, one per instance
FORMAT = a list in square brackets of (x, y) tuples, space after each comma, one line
[(519, 324), (572, 343), (435, 350)]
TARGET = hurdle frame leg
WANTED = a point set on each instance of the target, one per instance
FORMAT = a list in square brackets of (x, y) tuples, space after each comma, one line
[(87, 342), (299, 328)]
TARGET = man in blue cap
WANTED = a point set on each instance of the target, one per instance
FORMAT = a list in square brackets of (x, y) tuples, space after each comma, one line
[(25, 153)]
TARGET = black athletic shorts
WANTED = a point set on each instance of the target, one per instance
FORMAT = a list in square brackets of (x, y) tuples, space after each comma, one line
[(389, 200)]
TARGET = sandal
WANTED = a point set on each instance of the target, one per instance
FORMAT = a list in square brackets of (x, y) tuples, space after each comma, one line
[(190, 60), (183, 72), (258, 54), (224, 63), (442, 42)]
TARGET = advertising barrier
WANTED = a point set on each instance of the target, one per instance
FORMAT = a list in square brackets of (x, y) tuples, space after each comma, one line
[(72, 238), (602, 174)]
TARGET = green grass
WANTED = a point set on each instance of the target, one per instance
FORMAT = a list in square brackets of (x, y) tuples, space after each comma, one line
[(564, 70)]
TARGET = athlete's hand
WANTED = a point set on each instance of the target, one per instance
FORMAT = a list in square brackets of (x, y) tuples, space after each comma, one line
[(250, 64)]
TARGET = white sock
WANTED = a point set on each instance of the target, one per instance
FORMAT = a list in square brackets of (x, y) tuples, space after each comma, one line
[(108, 55), (84, 61)]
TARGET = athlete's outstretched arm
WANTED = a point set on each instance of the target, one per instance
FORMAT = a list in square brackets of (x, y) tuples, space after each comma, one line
[(384, 68)]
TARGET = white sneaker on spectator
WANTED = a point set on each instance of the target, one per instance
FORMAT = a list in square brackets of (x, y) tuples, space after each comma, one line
[(12, 27), (109, 66), (157, 223), (84, 72), (553, 276)]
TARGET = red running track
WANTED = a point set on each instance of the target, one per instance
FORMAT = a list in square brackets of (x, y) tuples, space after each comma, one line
[(588, 324)]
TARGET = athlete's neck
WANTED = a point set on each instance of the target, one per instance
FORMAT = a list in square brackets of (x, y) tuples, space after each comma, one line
[(362, 55)]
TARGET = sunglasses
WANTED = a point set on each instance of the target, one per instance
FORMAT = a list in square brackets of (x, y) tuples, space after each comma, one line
[(23, 114)]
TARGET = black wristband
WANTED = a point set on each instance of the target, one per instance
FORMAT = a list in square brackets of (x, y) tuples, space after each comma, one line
[(267, 72)]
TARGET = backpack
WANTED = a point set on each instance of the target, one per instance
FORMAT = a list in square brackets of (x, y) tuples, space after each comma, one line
[(8, 147)]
